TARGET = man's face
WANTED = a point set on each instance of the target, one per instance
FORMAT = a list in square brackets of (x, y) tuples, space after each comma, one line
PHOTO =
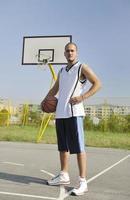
[(71, 53)]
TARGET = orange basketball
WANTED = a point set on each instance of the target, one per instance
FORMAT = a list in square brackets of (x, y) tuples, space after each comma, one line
[(49, 104)]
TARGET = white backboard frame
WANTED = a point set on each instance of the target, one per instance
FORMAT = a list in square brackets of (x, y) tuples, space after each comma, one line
[(35, 46)]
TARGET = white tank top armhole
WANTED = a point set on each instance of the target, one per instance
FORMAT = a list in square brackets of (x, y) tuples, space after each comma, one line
[(84, 80)]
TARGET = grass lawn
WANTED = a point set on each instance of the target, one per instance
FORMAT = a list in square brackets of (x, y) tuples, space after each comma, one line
[(107, 139), (95, 139)]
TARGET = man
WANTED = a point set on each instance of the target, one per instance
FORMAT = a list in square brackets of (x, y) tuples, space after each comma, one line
[(69, 115)]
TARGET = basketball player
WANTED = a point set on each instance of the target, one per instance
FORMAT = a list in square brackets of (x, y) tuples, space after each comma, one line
[(69, 115)]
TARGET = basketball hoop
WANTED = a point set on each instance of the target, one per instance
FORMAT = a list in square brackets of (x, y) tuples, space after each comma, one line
[(43, 63)]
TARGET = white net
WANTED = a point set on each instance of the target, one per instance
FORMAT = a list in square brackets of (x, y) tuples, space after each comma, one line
[(43, 61), (42, 66)]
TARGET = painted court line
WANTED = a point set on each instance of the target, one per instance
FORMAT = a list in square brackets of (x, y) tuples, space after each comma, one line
[(12, 163), (99, 174), (107, 169), (27, 195), (63, 194), (46, 172)]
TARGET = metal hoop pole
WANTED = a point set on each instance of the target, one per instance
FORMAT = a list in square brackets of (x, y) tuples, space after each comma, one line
[(52, 72), (43, 128)]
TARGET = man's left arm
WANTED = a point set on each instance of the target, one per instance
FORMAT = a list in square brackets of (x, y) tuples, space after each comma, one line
[(88, 73)]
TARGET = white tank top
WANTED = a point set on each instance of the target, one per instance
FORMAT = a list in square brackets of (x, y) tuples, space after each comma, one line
[(70, 85)]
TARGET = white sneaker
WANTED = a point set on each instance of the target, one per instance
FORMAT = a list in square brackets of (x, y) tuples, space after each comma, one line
[(81, 189), (60, 179)]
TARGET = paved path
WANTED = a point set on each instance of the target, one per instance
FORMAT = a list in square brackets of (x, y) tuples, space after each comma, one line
[(25, 168)]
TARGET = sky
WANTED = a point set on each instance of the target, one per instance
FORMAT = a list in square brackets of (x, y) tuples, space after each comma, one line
[(100, 28)]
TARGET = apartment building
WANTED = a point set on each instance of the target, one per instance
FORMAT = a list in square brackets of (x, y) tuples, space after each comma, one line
[(105, 110)]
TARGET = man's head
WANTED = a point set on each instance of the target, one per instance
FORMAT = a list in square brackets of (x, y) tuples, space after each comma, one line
[(71, 52)]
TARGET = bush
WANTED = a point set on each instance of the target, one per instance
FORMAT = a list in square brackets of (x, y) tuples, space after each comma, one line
[(4, 117), (115, 123), (88, 124)]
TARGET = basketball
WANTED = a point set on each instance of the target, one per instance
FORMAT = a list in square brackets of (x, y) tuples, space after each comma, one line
[(49, 104)]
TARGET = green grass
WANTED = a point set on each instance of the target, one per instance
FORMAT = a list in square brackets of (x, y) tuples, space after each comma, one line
[(107, 139), (18, 133), (95, 139)]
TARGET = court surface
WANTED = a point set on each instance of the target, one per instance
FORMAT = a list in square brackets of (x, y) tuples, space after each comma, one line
[(25, 168)]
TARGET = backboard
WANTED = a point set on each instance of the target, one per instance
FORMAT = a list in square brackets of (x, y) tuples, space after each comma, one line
[(39, 48)]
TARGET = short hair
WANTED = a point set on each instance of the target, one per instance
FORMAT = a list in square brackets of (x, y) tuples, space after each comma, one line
[(69, 43)]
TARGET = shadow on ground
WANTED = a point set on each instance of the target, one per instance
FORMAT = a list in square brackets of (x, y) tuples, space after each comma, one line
[(22, 179)]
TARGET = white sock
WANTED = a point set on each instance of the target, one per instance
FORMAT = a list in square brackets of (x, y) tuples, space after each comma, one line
[(65, 173), (82, 179)]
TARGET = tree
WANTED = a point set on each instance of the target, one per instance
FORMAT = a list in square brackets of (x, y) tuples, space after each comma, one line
[(117, 123), (34, 117), (88, 124), (4, 117), (127, 117)]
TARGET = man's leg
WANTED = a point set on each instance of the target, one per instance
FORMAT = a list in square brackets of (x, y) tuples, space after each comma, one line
[(82, 164), (63, 177), (64, 160), (82, 188)]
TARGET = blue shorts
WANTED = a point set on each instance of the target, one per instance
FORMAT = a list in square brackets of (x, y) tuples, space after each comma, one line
[(70, 134)]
